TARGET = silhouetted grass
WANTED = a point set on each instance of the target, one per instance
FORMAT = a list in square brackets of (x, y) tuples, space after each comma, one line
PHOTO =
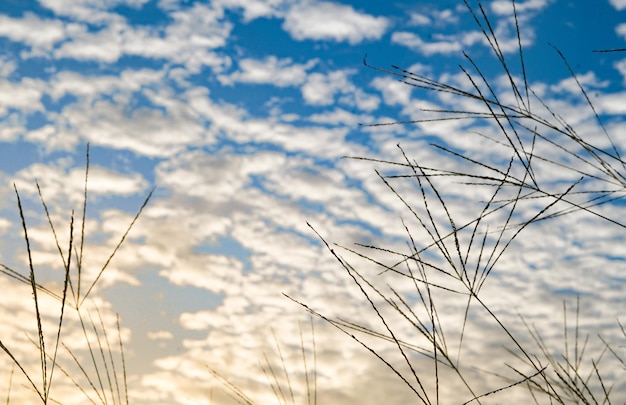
[(103, 375), (461, 255)]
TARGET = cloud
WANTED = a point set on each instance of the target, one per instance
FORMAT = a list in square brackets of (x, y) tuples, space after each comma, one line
[(215, 273), (40, 34), (61, 184), (321, 89), (237, 125), (504, 7), (419, 19), (253, 9), (502, 23), (621, 30), (621, 65), (92, 11), (24, 95), (455, 43), (588, 81), (612, 103), (339, 116), (147, 131), (190, 39), (332, 21), (271, 70), (160, 335), (618, 4), (435, 17), (105, 45), (93, 87), (227, 229), (394, 92), (416, 43)]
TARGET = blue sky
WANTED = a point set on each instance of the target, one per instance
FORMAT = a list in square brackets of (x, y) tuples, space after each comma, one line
[(240, 112)]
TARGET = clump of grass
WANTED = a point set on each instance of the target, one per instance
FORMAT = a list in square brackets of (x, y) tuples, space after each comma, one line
[(461, 255), (100, 381), (279, 380)]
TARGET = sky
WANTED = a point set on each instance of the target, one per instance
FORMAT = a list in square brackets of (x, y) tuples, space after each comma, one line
[(243, 118)]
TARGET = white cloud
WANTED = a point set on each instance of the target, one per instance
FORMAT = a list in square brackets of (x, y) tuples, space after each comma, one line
[(189, 40), (215, 273), (394, 91), (362, 100), (504, 7), (104, 45), (60, 184), (271, 70), (589, 81), (455, 43), (163, 129), (416, 43), (25, 95), (160, 335), (32, 30), (339, 116), (447, 16), (332, 21), (220, 178), (612, 104), (253, 9), (92, 87), (621, 67), (419, 19), (93, 11), (621, 30), (321, 89), (618, 4), (7, 66), (227, 120)]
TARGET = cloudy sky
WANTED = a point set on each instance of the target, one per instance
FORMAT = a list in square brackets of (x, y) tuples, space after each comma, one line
[(241, 114)]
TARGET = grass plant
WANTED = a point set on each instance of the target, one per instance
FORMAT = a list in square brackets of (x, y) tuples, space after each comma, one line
[(104, 379), (462, 255)]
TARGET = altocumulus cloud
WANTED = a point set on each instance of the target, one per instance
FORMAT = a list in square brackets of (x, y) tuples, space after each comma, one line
[(242, 114), (332, 21)]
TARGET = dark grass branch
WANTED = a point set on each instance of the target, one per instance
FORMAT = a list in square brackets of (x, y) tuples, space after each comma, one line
[(444, 252), (232, 390), (110, 356), (121, 344), (575, 206), (422, 394), (41, 342), (506, 114), (516, 383), (507, 118), (306, 369), (284, 367), (595, 113), (66, 282), (117, 247), (513, 181), (364, 345), (272, 378), (10, 384), (79, 266), (609, 50), (50, 361)]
